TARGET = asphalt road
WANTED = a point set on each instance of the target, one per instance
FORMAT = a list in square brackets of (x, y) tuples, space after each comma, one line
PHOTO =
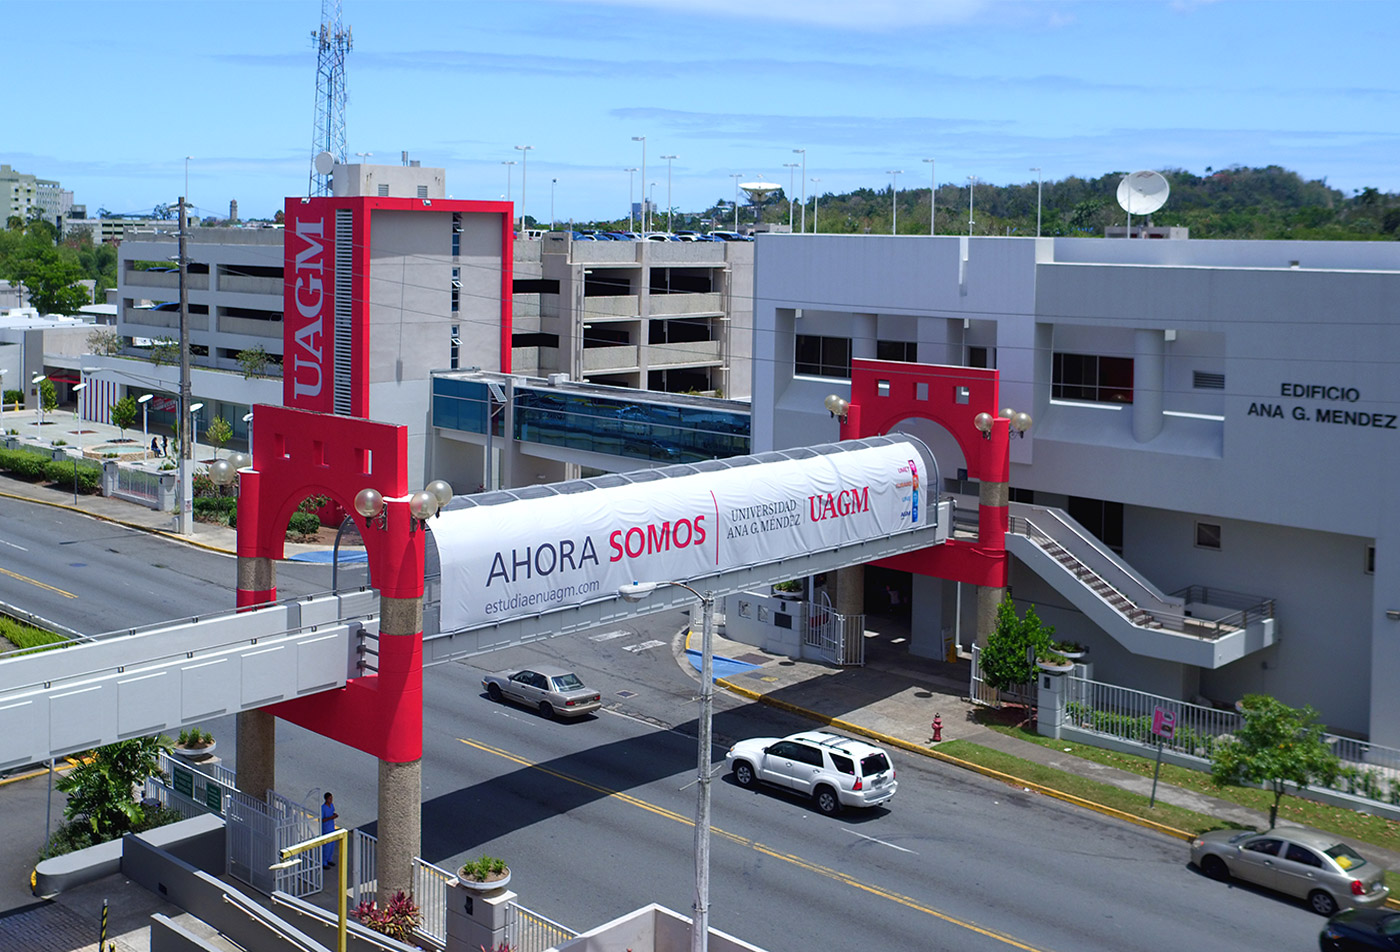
[(93, 576), (595, 816), (595, 819)]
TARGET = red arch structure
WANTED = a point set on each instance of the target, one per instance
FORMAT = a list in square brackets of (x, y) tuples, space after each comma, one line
[(883, 393), (298, 453)]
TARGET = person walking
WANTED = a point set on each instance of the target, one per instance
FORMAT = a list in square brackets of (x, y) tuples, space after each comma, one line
[(328, 816)]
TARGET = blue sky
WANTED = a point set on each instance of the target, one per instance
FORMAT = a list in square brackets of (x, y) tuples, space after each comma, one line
[(112, 96)]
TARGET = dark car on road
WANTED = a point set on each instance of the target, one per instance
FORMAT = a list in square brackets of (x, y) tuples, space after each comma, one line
[(1356, 930)]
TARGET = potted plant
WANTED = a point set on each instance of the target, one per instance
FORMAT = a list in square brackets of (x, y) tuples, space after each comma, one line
[(1053, 662), (1072, 650), (484, 874), (193, 742), (790, 589)]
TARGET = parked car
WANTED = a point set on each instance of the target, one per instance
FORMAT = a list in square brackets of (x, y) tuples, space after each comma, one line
[(731, 236), (580, 236), (834, 771), (1361, 929), (554, 692), (1314, 866)]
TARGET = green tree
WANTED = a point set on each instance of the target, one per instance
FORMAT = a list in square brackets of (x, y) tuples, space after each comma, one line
[(101, 790), (1277, 745), (48, 396), (1009, 656), (52, 282), (253, 361), (123, 413), (218, 433)]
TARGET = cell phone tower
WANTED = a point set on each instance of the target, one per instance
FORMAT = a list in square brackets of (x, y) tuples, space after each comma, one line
[(333, 41)]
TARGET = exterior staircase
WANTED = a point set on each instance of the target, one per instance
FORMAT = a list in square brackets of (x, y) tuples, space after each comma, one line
[(1198, 625)]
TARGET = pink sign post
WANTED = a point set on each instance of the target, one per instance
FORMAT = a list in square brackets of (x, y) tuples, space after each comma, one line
[(1164, 727)]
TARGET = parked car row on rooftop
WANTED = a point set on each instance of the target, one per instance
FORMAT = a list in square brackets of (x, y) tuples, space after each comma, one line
[(659, 236)]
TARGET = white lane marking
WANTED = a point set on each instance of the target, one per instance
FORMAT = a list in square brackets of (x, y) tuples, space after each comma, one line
[(644, 646), (13, 546), (874, 840), (609, 635)]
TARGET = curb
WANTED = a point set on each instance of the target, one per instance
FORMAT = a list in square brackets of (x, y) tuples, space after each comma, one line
[(120, 522), (954, 761)]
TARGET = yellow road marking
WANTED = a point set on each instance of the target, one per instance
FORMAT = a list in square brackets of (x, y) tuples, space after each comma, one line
[(735, 838), (31, 581)]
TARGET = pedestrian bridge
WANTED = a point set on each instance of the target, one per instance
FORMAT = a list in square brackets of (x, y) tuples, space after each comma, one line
[(160, 678)]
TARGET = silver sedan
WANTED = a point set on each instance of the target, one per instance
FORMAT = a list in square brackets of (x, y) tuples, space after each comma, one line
[(1314, 866), (554, 692)]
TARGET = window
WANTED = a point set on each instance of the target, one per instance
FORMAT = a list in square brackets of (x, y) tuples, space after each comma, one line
[(843, 765), (456, 234), (906, 350), (983, 357), (1370, 560), (456, 349), (1093, 378), (1207, 535), (456, 290), (1268, 847), (1301, 854), (823, 356)]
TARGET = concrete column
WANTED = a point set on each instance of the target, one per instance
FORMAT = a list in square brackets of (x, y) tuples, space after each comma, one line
[(1050, 709), (991, 497), (257, 753), (476, 920), (400, 784), (850, 590), (1148, 375), (257, 729)]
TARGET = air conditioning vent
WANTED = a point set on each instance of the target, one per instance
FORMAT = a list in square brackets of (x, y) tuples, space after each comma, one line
[(1204, 381)]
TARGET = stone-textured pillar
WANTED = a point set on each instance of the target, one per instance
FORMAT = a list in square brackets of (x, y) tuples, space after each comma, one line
[(1148, 379), (850, 590), (991, 528), (257, 729), (400, 784)]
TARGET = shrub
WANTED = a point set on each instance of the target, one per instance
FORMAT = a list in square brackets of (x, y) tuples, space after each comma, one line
[(396, 920), (14, 396), (27, 636), (214, 505), (194, 737), (88, 479), (303, 525), (24, 463)]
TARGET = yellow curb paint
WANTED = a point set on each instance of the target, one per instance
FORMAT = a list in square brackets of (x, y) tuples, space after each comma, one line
[(173, 536), (948, 759)]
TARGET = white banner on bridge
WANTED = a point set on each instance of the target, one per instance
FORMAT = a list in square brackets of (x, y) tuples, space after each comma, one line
[(532, 556)]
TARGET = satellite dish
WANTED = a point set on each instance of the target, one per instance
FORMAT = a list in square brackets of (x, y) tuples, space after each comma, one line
[(1142, 193), (325, 162), (758, 192)]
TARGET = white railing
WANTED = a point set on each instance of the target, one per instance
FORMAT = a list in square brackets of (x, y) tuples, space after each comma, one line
[(1367, 770), (430, 892), (979, 692), (528, 931)]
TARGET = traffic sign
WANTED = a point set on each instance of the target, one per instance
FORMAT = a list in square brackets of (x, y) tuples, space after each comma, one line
[(1164, 722)]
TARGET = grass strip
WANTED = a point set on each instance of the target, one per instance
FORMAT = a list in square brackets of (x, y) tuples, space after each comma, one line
[(27, 636)]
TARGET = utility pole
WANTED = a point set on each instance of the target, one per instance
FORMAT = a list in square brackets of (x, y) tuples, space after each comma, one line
[(186, 520)]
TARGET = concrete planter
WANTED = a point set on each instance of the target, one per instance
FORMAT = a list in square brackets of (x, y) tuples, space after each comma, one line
[(1051, 668), (476, 886)]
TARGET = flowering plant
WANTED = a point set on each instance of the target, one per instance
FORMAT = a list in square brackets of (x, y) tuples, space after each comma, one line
[(397, 920)]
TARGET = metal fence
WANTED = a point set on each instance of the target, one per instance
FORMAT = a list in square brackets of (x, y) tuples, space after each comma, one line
[(1367, 770), (430, 888), (528, 931), (138, 485)]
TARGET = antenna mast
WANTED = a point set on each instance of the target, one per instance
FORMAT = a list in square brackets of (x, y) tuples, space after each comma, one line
[(328, 135)]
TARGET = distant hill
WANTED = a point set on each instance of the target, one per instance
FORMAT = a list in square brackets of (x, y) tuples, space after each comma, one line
[(1237, 202)]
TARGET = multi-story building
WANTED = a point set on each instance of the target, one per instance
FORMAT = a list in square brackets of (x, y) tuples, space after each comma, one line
[(1215, 429), (24, 195)]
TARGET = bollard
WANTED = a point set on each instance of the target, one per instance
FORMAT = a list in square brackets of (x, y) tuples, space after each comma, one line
[(937, 728)]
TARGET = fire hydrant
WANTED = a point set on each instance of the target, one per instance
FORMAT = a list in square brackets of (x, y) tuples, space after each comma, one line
[(937, 728)]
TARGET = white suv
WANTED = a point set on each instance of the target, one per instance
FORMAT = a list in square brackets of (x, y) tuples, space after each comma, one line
[(834, 771)]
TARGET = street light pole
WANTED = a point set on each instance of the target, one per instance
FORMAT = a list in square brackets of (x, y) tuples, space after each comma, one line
[(631, 193), (38, 381), (186, 466), (803, 153), (816, 198), (187, 174), (1038, 183), (78, 431), (524, 171), (894, 199), (509, 163), (791, 167), (668, 159), (932, 190), (145, 405), (971, 186), (552, 183), (700, 923), (736, 176), (646, 218)]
